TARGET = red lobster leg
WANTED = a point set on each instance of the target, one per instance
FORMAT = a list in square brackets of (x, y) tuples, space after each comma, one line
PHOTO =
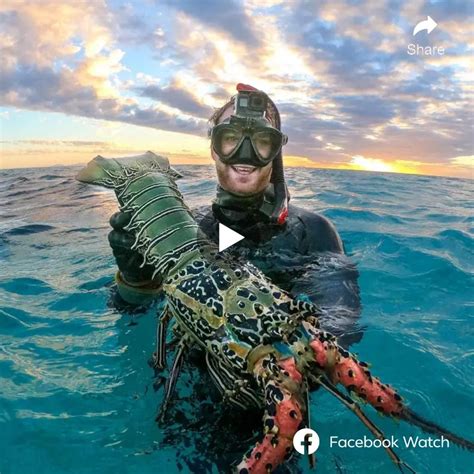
[(341, 367), (283, 417)]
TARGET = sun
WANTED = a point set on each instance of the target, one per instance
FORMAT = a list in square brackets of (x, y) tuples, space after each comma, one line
[(371, 164)]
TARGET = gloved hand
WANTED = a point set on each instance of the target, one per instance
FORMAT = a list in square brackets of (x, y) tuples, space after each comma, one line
[(135, 284)]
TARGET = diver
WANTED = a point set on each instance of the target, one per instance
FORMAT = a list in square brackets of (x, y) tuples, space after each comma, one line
[(298, 249)]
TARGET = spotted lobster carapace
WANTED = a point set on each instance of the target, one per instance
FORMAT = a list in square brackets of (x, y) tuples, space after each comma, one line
[(263, 347)]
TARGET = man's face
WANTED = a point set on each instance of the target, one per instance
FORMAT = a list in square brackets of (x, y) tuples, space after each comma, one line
[(243, 180)]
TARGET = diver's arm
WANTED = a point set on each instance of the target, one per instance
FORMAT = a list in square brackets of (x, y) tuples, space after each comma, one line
[(135, 284), (331, 279)]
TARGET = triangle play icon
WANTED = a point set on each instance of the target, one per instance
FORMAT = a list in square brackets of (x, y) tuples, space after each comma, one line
[(228, 237)]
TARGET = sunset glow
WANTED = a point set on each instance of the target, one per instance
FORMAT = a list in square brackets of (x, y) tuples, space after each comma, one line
[(371, 164)]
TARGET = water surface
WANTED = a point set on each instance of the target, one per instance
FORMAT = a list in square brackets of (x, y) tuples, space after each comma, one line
[(77, 395)]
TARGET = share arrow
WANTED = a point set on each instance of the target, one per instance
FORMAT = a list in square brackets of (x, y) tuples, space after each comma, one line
[(227, 237), (429, 25)]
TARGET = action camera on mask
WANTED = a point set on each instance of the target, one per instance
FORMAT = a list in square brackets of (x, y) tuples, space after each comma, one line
[(251, 104)]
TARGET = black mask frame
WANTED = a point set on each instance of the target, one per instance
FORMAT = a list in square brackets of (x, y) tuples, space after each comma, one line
[(266, 140)]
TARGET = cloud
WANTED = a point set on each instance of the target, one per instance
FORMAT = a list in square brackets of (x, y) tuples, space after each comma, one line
[(40, 33), (366, 110), (46, 90), (176, 96), (467, 161), (74, 143), (229, 18), (37, 76)]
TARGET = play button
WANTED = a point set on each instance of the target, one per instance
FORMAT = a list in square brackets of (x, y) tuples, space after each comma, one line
[(227, 237)]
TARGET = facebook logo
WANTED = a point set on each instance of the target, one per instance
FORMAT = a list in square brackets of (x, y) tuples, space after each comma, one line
[(306, 441)]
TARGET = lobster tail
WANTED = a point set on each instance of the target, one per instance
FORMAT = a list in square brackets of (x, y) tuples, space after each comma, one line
[(106, 171), (166, 232)]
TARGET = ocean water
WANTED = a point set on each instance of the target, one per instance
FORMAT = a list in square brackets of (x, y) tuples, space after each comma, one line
[(77, 394)]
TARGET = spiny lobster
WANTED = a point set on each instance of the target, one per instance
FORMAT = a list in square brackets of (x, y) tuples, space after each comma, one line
[(263, 347)]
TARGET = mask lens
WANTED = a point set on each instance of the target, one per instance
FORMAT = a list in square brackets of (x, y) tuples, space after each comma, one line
[(226, 140), (267, 144)]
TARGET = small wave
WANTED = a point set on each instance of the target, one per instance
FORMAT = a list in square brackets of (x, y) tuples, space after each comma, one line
[(78, 230), (78, 301), (96, 284), (9, 183), (457, 235), (29, 229), (17, 193), (11, 318), (50, 176), (16, 318), (37, 415), (362, 215), (26, 286), (444, 217)]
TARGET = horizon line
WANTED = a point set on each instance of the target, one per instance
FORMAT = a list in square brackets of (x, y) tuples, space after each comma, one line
[(210, 164)]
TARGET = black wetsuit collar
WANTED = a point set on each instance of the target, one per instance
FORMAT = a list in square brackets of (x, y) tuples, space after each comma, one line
[(242, 211)]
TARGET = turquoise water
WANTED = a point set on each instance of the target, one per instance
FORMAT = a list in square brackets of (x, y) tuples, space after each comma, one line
[(77, 394)]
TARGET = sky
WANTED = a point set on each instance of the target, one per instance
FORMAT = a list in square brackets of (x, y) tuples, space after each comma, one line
[(111, 77)]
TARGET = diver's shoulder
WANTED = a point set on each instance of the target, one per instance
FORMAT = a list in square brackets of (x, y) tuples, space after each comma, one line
[(320, 233), (309, 217), (202, 212)]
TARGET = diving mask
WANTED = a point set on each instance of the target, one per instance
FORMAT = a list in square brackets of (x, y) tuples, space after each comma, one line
[(227, 138), (247, 124)]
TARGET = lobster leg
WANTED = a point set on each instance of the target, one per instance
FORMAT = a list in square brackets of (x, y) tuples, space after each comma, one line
[(354, 407), (159, 356), (233, 388), (342, 367), (172, 379), (284, 414), (311, 457)]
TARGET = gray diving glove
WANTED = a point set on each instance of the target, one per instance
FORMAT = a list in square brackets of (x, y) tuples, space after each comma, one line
[(134, 284)]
